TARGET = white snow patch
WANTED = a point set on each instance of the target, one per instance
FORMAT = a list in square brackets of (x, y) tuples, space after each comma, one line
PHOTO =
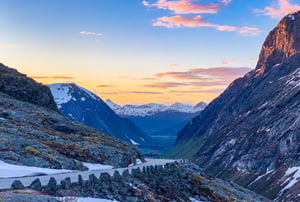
[(92, 166), (194, 200), (292, 17), (293, 175), (83, 99), (2, 119), (137, 162), (133, 142), (60, 92), (92, 95), (268, 171), (142, 139), (10, 170)]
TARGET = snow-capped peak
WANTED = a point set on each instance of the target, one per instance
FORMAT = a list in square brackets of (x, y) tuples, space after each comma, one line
[(151, 108), (63, 93), (112, 105)]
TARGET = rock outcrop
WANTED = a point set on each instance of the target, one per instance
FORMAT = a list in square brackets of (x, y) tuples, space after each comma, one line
[(37, 135), (20, 87), (251, 132)]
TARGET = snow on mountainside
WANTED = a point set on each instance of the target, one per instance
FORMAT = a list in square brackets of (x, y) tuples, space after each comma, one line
[(62, 93), (153, 108), (79, 104)]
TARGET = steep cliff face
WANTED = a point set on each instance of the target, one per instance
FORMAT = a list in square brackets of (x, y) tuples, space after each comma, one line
[(253, 128)]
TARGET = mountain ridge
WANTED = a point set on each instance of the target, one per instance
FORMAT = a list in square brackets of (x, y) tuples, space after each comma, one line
[(153, 108), (79, 104), (252, 128)]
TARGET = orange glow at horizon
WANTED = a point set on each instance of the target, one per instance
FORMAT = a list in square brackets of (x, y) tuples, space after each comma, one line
[(191, 86)]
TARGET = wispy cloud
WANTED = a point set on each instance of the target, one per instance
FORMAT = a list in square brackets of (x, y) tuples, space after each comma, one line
[(198, 21), (164, 85), (52, 77), (138, 79), (91, 33), (187, 6), (105, 86), (253, 58), (218, 90), (283, 7), (207, 73), (173, 65), (143, 92), (224, 62), (130, 92)]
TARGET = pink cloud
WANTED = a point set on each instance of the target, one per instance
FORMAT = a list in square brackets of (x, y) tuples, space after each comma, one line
[(187, 6), (253, 58), (249, 31), (207, 74), (224, 62), (283, 7), (198, 21), (173, 65)]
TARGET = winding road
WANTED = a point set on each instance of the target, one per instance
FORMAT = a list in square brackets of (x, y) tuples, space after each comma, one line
[(5, 183)]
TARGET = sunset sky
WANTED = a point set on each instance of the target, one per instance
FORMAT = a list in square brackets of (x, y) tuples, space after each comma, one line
[(134, 51)]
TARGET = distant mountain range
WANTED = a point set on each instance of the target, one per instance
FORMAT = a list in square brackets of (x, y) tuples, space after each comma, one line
[(83, 106), (153, 108), (158, 119)]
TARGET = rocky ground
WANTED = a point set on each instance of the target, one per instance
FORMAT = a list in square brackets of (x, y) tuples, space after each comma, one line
[(37, 136), (177, 182)]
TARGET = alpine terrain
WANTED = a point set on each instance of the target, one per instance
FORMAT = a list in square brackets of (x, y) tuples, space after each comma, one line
[(158, 119), (34, 133), (79, 104), (251, 133)]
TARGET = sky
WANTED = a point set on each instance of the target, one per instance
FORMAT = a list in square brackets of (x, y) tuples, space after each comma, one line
[(135, 51)]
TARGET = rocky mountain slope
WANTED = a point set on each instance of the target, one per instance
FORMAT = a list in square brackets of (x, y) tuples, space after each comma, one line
[(251, 133), (20, 87), (33, 133), (158, 119), (79, 104)]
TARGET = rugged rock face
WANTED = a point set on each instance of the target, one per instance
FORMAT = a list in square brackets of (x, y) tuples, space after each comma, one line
[(253, 128), (23, 88), (79, 104), (38, 136)]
